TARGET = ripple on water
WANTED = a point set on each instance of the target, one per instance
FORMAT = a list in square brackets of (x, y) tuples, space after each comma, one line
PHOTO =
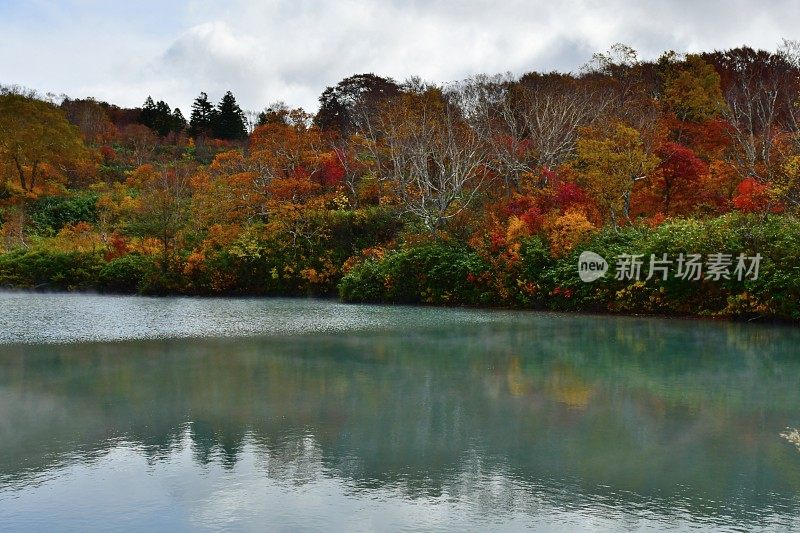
[(62, 318)]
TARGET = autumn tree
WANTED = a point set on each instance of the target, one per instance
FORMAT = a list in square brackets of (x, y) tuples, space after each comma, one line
[(429, 154), (141, 141), (164, 207), (35, 134), (276, 113), (760, 89), (610, 165), (693, 92), (91, 118), (679, 171), (530, 125)]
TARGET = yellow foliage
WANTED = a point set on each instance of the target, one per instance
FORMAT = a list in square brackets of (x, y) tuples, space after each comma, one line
[(516, 229), (79, 237), (567, 231), (610, 166), (141, 176), (146, 246)]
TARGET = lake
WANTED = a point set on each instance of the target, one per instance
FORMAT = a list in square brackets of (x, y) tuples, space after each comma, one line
[(121, 413)]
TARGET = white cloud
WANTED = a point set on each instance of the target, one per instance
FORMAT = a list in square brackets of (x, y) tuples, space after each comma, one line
[(291, 50)]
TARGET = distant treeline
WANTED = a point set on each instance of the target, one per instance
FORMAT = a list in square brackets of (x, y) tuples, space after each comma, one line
[(417, 192)]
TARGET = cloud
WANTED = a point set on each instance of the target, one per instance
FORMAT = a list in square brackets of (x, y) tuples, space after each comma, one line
[(292, 49)]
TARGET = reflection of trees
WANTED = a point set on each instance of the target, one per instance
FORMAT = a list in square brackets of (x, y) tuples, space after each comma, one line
[(638, 405)]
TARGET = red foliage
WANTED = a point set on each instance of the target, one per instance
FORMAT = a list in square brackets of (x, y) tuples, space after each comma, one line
[(533, 218), (709, 139), (680, 169), (549, 175), (570, 195), (108, 154), (655, 220), (518, 205), (497, 240), (753, 197), (332, 171), (507, 142), (117, 247)]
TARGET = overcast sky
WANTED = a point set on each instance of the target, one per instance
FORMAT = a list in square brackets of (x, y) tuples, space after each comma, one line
[(267, 50)]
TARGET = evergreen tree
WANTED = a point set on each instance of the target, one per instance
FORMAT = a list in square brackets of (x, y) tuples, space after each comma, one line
[(147, 116), (163, 118), (157, 116), (229, 121), (178, 121), (202, 117), (343, 107)]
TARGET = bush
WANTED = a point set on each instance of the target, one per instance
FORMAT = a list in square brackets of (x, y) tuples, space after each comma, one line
[(436, 273), (42, 269), (126, 274), (51, 213), (776, 292), (526, 274)]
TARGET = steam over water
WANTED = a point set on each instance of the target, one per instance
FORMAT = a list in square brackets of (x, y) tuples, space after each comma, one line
[(180, 413)]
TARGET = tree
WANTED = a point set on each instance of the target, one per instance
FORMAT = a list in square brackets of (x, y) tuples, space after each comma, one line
[(163, 208), (90, 117), (142, 142), (160, 118), (33, 134), (202, 117), (178, 121), (345, 107), (680, 168), (693, 92), (276, 113), (760, 89), (285, 153), (429, 154), (530, 125), (229, 120), (610, 165)]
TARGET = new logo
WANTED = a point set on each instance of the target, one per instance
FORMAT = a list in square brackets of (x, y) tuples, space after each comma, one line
[(591, 267)]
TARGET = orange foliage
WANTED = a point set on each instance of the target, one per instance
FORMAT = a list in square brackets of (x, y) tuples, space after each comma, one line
[(567, 231)]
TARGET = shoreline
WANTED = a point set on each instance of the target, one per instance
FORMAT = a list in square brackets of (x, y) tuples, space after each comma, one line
[(767, 321)]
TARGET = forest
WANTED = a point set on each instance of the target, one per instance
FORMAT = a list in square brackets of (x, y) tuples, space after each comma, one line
[(481, 192)]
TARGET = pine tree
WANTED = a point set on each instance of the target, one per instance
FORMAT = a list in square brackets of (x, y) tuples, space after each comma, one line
[(163, 118), (178, 121), (158, 117), (148, 115), (229, 122), (202, 117)]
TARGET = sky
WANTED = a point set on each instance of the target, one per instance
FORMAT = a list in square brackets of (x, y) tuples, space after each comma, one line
[(290, 50)]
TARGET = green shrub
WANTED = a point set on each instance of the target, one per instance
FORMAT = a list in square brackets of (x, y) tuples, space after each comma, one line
[(776, 292), (42, 269), (433, 273), (126, 274), (49, 214), (453, 274)]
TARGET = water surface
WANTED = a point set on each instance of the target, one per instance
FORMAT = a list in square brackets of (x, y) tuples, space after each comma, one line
[(173, 414)]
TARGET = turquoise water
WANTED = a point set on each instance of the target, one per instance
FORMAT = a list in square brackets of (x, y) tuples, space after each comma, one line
[(124, 413)]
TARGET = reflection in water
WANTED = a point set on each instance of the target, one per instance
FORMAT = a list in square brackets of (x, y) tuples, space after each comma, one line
[(488, 420), (793, 436)]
